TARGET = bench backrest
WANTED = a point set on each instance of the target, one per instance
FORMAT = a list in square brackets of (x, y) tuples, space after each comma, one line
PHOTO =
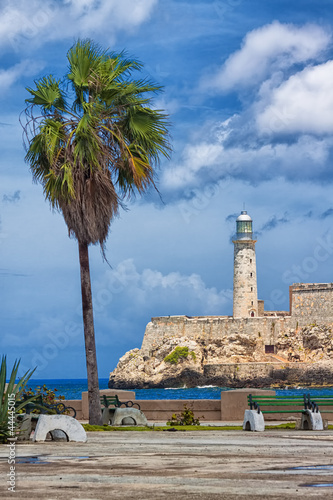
[(256, 402), (109, 400)]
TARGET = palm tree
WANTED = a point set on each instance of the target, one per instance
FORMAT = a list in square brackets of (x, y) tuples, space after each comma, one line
[(94, 141)]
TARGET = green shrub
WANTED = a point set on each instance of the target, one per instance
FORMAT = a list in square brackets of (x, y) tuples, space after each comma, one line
[(48, 396), (179, 353), (186, 417)]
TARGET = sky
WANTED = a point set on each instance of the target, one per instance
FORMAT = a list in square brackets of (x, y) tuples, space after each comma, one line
[(248, 87)]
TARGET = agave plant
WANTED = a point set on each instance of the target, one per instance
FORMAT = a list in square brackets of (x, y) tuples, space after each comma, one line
[(7, 391)]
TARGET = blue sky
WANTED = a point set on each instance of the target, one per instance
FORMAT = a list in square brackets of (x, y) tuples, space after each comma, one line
[(248, 86)]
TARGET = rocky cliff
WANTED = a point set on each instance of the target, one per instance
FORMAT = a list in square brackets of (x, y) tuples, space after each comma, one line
[(302, 356)]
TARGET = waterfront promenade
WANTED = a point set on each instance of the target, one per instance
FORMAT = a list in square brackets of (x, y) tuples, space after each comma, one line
[(274, 465)]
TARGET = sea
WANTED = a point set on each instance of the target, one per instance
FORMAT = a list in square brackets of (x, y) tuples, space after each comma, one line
[(73, 388)]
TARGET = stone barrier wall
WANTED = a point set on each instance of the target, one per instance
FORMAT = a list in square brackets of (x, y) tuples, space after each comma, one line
[(243, 371), (160, 410), (312, 301), (230, 408), (209, 328)]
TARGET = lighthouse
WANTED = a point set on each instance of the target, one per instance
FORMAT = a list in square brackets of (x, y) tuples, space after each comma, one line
[(245, 272)]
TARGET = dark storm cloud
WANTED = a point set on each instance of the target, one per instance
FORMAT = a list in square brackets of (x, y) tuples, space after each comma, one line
[(273, 223), (12, 198), (6, 272), (327, 213), (231, 217)]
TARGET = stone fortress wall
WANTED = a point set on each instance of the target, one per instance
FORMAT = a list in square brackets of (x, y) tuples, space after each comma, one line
[(312, 301), (309, 303)]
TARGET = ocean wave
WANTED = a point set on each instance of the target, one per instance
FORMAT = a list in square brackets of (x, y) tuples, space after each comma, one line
[(208, 387), (174, 388)]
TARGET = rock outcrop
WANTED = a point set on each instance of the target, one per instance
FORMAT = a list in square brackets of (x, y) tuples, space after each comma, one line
[(302, 356)]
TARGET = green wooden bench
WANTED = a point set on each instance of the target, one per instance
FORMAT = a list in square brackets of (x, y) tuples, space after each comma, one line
[(107, 401), (39, 406), (278, 404)]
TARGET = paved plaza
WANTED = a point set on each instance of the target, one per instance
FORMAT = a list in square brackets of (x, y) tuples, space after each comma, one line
[(275, 464)]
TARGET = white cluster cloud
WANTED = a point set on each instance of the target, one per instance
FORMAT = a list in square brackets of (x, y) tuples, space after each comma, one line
[(301, 104), (195, 158), (283, 129), (150, 290), (270, 48), (124, 15), (10, 76), (29, 25), (260, 162), (39, 21)]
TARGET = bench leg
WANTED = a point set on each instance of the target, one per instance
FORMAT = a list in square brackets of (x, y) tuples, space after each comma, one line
[(253, 421)]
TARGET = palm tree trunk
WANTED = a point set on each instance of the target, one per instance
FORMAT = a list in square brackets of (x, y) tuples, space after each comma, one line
[(95, 415)]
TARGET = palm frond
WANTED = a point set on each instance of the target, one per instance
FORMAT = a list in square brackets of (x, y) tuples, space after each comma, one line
[(100, 146), (47, 94)]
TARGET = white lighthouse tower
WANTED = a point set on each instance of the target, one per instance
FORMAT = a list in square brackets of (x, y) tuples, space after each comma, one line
[(245, 270)]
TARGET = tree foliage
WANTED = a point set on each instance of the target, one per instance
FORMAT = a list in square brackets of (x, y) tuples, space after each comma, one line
[(93, 139)]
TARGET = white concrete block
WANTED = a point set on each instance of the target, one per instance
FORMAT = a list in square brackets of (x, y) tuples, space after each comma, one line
[(312, 421), (71, 427), (121, 414), (253, 421)]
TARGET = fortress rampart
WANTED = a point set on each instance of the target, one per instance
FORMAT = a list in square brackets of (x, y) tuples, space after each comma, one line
[(212, 328), (309, 303), (312, 301)]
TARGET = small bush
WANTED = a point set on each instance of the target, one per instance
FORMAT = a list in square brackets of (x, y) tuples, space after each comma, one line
[(179, 353), (48, 397), (186, 417)]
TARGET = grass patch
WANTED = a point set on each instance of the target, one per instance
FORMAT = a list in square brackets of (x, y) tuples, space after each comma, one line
[(289, 425), (109, 428)]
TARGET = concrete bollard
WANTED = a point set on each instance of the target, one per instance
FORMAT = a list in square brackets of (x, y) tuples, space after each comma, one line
[(311, 421), (253, 421), (49, 423), (123, 415)]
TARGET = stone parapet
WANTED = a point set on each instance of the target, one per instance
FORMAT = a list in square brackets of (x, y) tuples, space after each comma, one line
[(233, 403), (312, 301), (210, 328), (230, 408), (163, 409)]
